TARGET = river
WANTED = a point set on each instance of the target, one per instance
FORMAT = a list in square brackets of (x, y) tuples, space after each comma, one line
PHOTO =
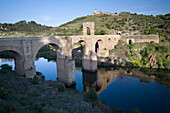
[(120, 88)]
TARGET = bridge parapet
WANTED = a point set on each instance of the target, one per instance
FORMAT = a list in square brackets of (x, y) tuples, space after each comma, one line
[(140, 38)]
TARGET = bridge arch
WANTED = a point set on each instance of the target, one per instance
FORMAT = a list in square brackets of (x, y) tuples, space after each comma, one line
[(130, 41), (88, 31), (55, 48), (78, 51), (18, 60), (99, 45), (12, 49)]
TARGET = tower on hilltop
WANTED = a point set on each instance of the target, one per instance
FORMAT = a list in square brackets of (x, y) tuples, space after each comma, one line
[(95, 11)]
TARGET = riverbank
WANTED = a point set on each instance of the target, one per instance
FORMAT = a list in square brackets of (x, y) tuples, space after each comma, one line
[(21, 95)]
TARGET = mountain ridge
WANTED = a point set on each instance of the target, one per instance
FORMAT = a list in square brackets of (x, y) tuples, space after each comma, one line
[(127, 23)]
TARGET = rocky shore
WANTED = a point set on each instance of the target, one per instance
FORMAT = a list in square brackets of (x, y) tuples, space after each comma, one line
[(21, 95)]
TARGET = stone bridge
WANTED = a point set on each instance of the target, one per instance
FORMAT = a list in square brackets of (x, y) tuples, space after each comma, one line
[(25, 50)]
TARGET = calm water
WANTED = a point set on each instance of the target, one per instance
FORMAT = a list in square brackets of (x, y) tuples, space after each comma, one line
[(120, 88)]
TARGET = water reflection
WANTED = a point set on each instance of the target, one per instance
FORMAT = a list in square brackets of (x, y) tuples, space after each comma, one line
[(89, 80), (103, 77), (98, 80), (7, 61), (131, 88)]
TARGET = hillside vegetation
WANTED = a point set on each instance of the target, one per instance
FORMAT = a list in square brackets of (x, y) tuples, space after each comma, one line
[(148, 55), (131, 24), (23, 29), (104, 24)]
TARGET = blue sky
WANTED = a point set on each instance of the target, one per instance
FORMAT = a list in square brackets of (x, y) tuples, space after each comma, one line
[(56, 12)]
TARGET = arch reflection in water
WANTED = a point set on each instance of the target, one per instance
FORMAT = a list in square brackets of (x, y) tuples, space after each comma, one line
[(103, 77), (89, 80), (98, 80)]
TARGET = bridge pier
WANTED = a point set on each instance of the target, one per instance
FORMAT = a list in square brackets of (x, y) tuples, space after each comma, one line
[(29, 67), (89, 62), (19, 65), (66, 70)]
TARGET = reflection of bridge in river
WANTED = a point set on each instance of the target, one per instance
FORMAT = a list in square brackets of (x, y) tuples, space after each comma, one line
[(103, 77)]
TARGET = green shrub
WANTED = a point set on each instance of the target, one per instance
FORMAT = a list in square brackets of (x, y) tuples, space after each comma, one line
[(120, 110), (123, 63), (137, 63), (130, 46), (38, 73), (104, 101), (92, 95), (4, 94), (160, 65), (132, 52), (41, 75), (113, 109), (145, 60), (162, 49), (43, 104), (129, 57), (7, 108), (59, 85), (166, 64), (102, 32), (6, 67), (121, 42), (38, 108), (76, 90), (1, 84), (34, 80), (43, 78), (134, 111), (150, 31), (24, 101)]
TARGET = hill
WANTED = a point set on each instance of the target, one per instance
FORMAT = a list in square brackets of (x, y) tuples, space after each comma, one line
[(105, 23), (23, 28), (124, 22)]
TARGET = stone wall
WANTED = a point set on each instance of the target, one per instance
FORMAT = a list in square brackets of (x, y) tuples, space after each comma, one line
[(140, 38)]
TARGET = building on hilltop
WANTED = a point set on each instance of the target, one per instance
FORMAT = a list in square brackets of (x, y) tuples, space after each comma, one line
[(97, 12), (106, 13)]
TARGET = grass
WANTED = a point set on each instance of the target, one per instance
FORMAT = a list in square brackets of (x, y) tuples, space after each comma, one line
[(59, 85), (92, 95), (77, 45)]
